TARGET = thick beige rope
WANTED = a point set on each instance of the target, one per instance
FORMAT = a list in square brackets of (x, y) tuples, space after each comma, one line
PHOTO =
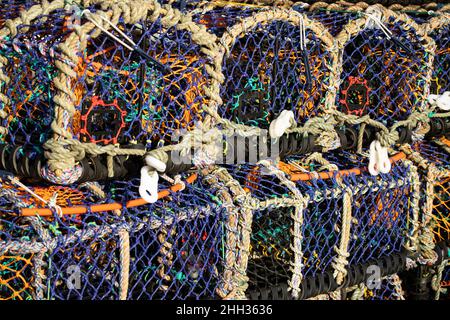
[(124, 244), (165, 257), (358, 293), (301, 203), (361, 6), (320, 297), (412, 244), (437, 24), (251, 3), (340, 261), (437, 278), (245, 221), (395, 281), (335, 295), (232, 234), (426, 238)]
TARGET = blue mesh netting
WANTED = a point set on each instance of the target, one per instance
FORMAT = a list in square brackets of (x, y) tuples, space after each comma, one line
[(384, 218), (433, 153)]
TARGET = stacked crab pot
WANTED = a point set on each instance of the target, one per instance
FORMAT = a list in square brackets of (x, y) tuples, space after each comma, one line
[(86, 93)]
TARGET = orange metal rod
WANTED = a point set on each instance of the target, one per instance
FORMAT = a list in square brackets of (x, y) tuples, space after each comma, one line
[(330, 174), (45, 212)]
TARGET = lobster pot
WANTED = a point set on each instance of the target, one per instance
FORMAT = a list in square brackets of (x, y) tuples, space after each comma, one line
[(19, 260), (28, 89), (437, 151), (96, 90), (439, 218), (377, 219), (291, 244), (382, 208), (148, 96), (302, 233), (176, 248), (436, 148), (273, 229), (432, 157), (270, 66), (385, 77), (436, 181), (21, 253)]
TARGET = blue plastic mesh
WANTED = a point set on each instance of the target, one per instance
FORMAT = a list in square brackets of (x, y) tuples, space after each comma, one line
[(433, 153), (384, 218)]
